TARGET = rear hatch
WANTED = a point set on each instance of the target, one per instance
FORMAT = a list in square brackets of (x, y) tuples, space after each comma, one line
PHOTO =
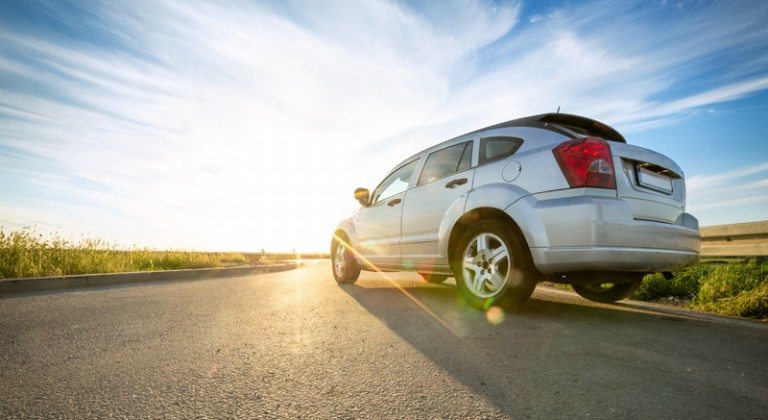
[(652, 183)]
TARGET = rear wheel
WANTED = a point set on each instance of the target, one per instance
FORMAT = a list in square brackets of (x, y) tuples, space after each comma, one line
[(609, 290), (434, 278), (346, 270), (493, 266)]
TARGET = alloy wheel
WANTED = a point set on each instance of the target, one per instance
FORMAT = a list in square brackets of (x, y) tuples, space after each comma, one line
[(486, 265), (339, 260)]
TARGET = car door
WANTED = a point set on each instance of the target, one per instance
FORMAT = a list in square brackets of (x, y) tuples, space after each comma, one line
[(444, 181), (378, 225)]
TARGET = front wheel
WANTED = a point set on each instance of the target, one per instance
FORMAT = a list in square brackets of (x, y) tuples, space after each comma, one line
[(346, 270), (607, 291), (493, 266)]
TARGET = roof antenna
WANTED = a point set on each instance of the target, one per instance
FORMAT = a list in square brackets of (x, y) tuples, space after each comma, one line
[(558, 109)]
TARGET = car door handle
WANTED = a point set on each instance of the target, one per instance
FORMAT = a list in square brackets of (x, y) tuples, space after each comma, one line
[(456, 182), (394, 202)]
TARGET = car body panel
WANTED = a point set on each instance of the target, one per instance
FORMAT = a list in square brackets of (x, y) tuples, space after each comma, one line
[(424, 211), (647, 203), (578, 233), (379, 225), (378, 232)]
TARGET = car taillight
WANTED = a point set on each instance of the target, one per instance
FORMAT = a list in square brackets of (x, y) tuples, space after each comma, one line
[(586, 162)]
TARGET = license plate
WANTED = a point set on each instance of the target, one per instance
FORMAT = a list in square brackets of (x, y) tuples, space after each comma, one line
[(653, 180)]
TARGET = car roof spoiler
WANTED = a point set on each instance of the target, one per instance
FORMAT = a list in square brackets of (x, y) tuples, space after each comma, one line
[(567, 121)]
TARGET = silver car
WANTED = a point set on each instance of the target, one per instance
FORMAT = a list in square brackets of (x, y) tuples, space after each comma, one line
[(552, 197)]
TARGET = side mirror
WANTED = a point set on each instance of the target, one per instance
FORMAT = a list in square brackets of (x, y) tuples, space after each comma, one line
[(363, 195)]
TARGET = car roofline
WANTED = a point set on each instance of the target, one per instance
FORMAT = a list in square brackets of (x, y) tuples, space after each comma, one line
[(560, 119), (556, 122)]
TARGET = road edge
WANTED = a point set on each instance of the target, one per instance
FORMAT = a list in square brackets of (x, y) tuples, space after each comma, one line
[(36, 284), (660, 308)]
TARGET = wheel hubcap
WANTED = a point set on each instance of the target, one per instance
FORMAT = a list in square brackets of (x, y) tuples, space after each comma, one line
[(486, 265), (338, 262)]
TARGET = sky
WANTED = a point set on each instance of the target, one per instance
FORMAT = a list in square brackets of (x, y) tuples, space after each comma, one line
[(247, 125)]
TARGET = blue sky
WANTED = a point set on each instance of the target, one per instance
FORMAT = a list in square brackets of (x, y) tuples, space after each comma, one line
[(246, 125)]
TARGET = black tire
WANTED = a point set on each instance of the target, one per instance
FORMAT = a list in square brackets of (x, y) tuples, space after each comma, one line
[(612, 289), (434, 278), (515, 278), (345, 268)]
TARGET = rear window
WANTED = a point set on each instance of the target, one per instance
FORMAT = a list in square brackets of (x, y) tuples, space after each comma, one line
[(495, 148)]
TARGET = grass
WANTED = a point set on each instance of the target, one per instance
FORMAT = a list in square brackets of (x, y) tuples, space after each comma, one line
[(25, 253), (738, 289), (684, 285)]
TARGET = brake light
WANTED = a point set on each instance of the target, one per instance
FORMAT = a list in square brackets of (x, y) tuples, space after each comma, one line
[(586, 162)]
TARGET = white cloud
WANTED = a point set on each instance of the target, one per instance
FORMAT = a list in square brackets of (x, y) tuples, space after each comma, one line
[(729, 197), (248, 126), (707, 182), (235, 127)]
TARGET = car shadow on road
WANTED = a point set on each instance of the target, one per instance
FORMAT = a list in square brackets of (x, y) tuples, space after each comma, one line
[(551, 357)]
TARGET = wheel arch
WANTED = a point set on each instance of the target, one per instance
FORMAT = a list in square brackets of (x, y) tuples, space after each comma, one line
[(476, 215), (339, 234), (484, 202), (346, 231)]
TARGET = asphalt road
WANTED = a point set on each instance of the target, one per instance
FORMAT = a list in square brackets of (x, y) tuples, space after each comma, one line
[(294, 344)]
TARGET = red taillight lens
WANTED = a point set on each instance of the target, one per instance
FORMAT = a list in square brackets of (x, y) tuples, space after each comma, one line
[(586, 162)]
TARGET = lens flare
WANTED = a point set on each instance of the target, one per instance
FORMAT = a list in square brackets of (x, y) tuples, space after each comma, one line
[(495, 315)]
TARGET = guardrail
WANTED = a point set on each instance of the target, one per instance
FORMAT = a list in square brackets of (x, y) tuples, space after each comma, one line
[(736, 240)]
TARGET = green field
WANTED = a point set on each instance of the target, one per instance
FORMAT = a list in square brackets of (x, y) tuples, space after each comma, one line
[(25, 253)]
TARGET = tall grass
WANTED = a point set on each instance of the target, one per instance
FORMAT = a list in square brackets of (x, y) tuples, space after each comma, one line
[(685, 284), (25, 253), (739, 289)]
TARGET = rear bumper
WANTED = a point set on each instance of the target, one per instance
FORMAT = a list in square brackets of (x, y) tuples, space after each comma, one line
[(585, 233), (569, 259)]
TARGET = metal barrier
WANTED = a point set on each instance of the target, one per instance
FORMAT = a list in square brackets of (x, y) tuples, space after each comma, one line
[(736, 240)]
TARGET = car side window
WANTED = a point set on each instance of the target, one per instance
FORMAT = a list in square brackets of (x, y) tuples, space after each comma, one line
[(446, 161), (495, 148), (395, 183)]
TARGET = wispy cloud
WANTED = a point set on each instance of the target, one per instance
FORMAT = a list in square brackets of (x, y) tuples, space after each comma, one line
[(246, 125), (231, 123), (732, 196), (702, 183)]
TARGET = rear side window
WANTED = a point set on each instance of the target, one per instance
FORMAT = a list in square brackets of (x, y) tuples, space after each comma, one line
[(446, 161), (495, 148)]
